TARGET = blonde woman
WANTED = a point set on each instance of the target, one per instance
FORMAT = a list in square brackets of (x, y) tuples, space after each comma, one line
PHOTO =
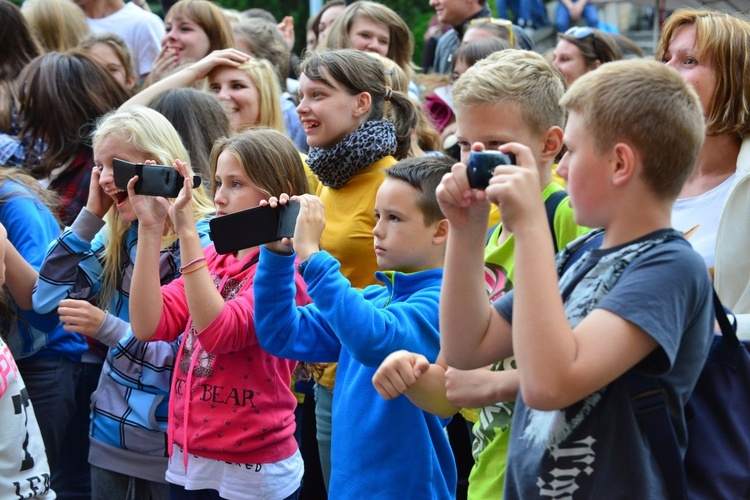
[(89, 266)]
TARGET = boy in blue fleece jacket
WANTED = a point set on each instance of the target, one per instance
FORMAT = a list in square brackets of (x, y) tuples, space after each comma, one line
[(388, 449)]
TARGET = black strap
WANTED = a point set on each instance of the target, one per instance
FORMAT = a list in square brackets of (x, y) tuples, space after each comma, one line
[(650, 404), (550, 206)]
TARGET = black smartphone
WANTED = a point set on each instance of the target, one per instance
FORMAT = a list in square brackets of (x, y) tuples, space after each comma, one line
[(481, 166), (253, 227), (153, 180)]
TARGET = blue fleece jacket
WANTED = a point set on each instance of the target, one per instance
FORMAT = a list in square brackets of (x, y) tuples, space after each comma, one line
[(384, 449)]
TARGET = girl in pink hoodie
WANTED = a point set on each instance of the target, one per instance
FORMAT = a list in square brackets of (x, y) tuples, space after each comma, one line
[(231, 419)]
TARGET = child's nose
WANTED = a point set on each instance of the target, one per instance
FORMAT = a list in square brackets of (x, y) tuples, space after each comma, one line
[(302, 106), (106, 177), (376, 230), (562, 167)]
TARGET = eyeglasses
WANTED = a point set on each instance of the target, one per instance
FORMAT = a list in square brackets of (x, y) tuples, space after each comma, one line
[(503, 23), (581, 32)]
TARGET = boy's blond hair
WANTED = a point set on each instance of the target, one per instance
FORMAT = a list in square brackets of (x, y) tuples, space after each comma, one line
[(725, 41), (648, 106), (519, 77)]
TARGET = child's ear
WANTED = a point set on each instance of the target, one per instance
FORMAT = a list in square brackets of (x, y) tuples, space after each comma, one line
[(553, 143), (440, 236), (625, 159), (364, 103)]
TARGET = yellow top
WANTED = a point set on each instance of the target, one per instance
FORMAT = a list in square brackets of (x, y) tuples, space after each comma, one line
[(350, 218)]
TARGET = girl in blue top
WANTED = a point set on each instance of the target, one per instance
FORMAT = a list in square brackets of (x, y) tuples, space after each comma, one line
[(89, 266), (47, 355)]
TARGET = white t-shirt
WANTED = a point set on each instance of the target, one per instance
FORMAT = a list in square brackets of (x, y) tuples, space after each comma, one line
[(24, 472), (698, 217), (141, 30), (234, 481)]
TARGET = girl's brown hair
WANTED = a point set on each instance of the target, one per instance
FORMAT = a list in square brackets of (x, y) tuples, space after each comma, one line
[(270, 159), (15, 33), (62, 95)]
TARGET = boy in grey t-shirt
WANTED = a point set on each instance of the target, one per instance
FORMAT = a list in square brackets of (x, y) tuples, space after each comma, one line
[(642, 301)]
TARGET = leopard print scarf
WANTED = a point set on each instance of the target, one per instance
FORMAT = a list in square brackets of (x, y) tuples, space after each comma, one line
[(370, 142)]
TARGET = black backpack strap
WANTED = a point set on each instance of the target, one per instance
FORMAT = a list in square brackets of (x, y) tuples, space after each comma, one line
[(550, 206), (650, 404)]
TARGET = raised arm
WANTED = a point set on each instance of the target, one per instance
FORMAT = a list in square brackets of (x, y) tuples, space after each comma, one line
[(557, 365), (146, 304), (205, 303), (71, 267), (472, 333), (189, 75)]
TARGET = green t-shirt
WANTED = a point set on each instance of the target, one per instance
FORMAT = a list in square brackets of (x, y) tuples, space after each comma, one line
[(492, 429)]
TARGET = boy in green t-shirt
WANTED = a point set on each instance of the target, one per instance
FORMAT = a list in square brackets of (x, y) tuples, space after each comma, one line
[(511, 96)]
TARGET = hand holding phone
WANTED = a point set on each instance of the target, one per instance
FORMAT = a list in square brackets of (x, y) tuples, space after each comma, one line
[(253, 227), (310, 225), (153, 180)]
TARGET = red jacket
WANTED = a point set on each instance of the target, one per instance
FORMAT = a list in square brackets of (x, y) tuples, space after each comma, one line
[(239, 407)]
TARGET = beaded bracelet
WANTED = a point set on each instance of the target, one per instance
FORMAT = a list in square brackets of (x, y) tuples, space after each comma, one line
[(193, 270), (199, 259)]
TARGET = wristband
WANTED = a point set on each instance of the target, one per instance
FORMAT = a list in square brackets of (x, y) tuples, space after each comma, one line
[(196, 269), (303, 265), (195, 261)]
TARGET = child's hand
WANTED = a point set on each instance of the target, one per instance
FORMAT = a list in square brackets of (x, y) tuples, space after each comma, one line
[(310, 224), (225, 57), (181, 211), (515, 190), (99, 202), (151, 211), (80, 316), (165, 62), (286, 28), (462, 205), (284, 246), (398, 373)]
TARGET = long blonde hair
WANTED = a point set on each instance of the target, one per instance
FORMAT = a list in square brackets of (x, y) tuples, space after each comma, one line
[(150, 133)]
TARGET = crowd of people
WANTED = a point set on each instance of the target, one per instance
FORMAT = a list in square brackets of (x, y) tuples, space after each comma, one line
[(485, 248)]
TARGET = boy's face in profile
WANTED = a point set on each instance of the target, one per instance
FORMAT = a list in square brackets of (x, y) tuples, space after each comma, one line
[(403, 242), (494, 125), (584, 170)]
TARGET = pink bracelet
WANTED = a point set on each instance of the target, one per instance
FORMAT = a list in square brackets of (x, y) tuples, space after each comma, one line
[(199, 259)]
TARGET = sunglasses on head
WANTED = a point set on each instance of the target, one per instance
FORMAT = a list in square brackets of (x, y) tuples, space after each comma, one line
[(504, 23), (581, 32)]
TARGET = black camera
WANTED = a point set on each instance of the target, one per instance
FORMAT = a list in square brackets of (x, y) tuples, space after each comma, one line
[(153, 180), (481, 166)]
